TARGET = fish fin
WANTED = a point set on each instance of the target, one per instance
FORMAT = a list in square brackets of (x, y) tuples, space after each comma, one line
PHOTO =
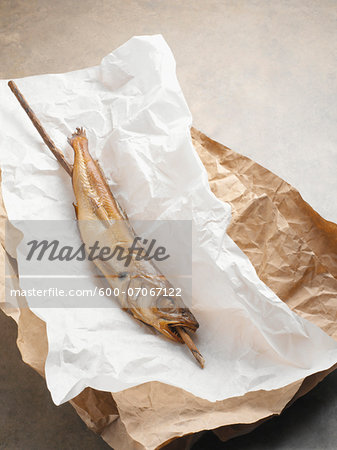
[(145, 325), (76, 209), (122, 210), (79, 133)]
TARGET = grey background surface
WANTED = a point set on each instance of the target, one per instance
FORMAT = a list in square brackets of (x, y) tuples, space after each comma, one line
[(259, 76)]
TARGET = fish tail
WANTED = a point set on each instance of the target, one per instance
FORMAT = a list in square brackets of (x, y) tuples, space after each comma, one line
[(79, 134)]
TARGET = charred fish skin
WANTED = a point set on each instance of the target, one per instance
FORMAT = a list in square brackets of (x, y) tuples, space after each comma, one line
[(100, 218)]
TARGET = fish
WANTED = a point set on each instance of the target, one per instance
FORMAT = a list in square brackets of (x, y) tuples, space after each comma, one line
[(101, 219)]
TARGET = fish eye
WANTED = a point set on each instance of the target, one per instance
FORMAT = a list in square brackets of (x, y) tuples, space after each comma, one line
[(165, 303)]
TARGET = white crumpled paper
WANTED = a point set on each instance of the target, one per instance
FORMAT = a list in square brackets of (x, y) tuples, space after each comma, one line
[(138, 126)]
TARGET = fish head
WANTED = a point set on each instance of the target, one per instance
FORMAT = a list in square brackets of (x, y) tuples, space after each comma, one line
[(171, 312), (163, 312)]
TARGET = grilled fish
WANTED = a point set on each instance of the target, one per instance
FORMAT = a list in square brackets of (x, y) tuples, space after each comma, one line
[(101, 219)]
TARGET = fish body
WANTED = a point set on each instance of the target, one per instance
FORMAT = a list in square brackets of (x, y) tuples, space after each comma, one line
[(102, 220)]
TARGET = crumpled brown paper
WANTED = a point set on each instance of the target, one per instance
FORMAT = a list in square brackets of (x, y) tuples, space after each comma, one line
[(293, 250)]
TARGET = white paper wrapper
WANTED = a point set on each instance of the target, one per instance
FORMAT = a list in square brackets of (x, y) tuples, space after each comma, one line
[(138, 126)]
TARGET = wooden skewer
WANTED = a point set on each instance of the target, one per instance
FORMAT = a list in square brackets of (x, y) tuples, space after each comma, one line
[(191, 345), (37, 124), (68, 168)]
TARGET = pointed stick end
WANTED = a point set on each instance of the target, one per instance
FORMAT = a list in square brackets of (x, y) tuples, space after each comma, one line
[(198, 356), (191, 345)]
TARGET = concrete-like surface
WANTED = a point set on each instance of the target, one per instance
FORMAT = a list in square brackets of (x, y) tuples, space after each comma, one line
[(258, 75)]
